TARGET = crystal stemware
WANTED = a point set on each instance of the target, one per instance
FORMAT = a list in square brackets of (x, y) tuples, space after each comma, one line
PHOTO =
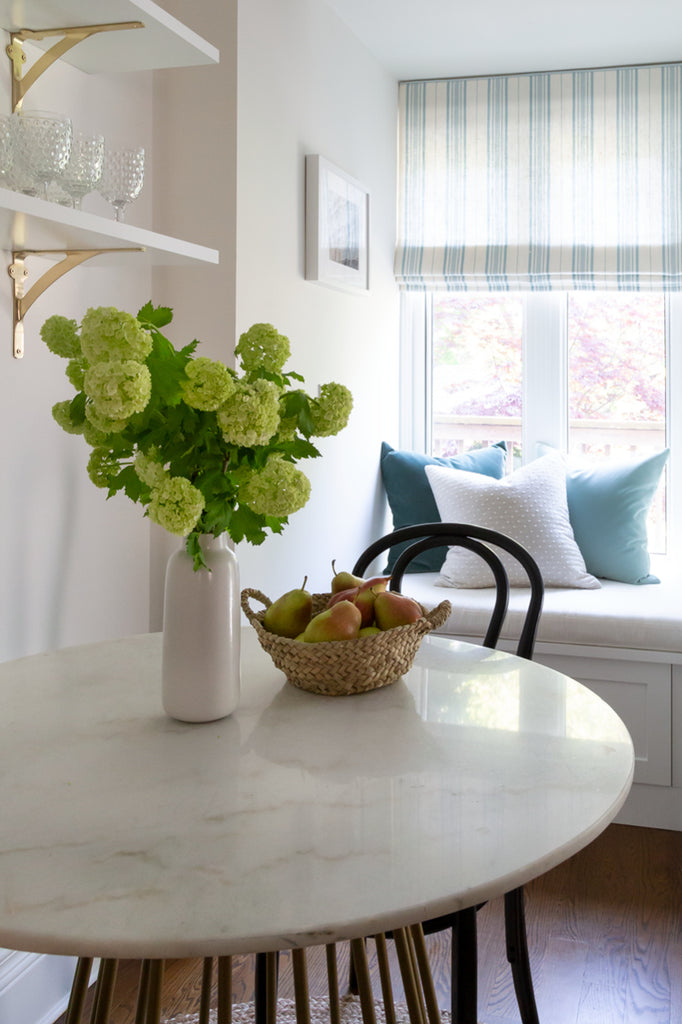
[(43, 142), (83, 172), (122, 178), (6, 151)]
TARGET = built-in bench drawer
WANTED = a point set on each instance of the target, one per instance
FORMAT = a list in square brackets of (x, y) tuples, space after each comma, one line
[(640, 692)]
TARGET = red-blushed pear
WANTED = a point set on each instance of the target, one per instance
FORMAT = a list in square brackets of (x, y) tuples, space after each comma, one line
[(289, 614), (343, 595), (392, 609), (344, 580), (340, 622), (365, 602), (377, 584)]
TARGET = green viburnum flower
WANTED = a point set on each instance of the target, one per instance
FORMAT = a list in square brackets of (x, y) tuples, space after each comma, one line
[(61, 413), (75, 372), (250, 416), (176, 505), (331, 410), (118, 389), (208, 384), (279, 489), (102, 467), (263, 346), (105, 424), (149, 468), (61, 337), (108, 334), (94, 437)]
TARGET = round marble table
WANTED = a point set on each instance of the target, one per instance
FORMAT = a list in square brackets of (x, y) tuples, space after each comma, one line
[(299, 820)]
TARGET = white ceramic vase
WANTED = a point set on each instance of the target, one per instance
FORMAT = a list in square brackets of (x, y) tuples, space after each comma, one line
[(201, 630)]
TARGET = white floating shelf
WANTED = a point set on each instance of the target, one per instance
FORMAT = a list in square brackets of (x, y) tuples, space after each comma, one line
[(164, 42), (30, 223)]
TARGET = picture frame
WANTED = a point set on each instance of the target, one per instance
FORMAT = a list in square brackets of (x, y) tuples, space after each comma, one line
[(337, 227)]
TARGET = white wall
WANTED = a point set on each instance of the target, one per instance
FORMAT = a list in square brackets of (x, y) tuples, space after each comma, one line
[(73, 567), (308, 86), (304, 84)]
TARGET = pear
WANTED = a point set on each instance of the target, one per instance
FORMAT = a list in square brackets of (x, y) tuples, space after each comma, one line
[(343, 595), (289, 614), (392, 609), (369, 631), (365, 602), (340, 622), (344, 580), (376, 583)]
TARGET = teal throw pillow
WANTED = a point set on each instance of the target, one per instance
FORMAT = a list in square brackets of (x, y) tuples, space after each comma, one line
[(411, 499), (608, 505)]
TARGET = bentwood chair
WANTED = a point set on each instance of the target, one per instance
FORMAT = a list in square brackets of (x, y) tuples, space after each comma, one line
[(464, 995)]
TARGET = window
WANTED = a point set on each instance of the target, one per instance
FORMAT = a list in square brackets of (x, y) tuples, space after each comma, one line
[(589, 373)]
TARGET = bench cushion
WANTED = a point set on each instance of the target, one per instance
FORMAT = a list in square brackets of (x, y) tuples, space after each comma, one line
[(617, 615)]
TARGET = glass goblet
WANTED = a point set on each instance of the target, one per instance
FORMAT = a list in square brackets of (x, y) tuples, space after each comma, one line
[(122, 178), (83, 172), (43, 142), (6, 151)]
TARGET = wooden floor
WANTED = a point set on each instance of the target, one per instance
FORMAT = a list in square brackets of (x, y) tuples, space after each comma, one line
[(604, 930)]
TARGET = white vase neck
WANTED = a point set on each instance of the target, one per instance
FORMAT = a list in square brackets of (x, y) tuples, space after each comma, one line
[(210, 543)]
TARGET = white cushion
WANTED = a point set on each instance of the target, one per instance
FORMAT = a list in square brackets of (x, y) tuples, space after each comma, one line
[(618, 615), (529, 506)]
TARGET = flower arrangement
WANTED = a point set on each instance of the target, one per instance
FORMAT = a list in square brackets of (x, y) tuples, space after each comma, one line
[(204, 449)]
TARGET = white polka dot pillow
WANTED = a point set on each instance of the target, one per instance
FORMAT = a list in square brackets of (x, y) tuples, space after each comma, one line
[(529, 506)]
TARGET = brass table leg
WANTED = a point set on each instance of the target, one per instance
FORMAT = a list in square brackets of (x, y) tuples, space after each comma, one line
[(301, 993), (413, 996), (205, 999), (416, 937), (79, 989), (155, 985), (333, 984), (359, 961), (385, 977), (224, 990), (142, 993), (104, 991)]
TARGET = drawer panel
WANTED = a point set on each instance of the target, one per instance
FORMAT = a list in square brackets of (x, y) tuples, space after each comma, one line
[(641, 694)]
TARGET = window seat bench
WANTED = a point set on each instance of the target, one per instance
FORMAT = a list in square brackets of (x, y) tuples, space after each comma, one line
[(622, 641)]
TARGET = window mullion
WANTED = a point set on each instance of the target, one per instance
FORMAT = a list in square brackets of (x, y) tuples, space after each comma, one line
[(545, 399), (415, 371)]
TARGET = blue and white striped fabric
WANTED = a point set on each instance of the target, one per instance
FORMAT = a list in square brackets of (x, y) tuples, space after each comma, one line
[(561, 180)]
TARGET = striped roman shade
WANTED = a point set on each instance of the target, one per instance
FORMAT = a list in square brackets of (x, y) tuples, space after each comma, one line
[(560, 180)]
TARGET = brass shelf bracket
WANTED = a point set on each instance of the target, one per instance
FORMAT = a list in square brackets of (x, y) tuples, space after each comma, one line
[(21, 82), (24, 300)]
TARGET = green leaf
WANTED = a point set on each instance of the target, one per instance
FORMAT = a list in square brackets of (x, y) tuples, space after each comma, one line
[(193, 548), (77, 408), (247, 525), (128, 479), (167, 367), (297, 403), (155, 316)]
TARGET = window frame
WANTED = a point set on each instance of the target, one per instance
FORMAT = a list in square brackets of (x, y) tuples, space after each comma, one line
[(545, 394)]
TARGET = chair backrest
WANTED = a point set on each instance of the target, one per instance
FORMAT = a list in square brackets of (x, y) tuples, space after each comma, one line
[(475, 539)]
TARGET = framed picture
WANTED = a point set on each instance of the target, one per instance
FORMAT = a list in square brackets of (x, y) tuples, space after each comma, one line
[(337, 227)]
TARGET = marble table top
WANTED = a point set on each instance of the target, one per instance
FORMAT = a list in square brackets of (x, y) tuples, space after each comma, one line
[(298, 820)]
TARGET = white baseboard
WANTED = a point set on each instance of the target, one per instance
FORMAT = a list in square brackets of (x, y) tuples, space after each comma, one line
[(34, 989)]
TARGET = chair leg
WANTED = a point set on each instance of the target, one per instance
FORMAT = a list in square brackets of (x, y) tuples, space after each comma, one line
[(517, 955), (464, 969)]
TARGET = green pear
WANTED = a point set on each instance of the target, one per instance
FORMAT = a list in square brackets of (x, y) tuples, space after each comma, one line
[(344, 580), (369, 631), (289, 614), (340, 622), (392, 609)]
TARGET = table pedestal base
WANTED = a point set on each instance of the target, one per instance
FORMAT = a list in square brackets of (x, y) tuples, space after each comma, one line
[(415, 971)]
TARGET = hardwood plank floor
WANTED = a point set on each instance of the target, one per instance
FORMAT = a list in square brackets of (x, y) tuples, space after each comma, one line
[(604, 931)]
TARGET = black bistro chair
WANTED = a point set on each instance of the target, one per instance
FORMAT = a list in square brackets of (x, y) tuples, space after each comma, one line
[(464, 994)]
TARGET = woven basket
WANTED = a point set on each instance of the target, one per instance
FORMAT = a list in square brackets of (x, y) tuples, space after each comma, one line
[(340, 667)]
